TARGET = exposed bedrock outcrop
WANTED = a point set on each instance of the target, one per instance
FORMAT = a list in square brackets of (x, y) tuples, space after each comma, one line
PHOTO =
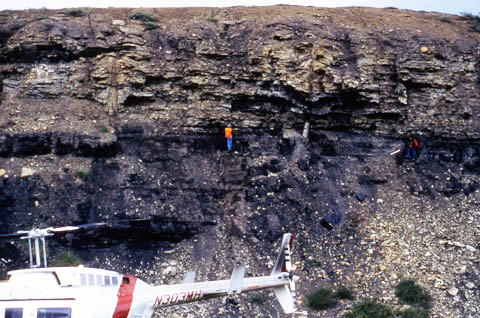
[(119, 119), (382, 71)]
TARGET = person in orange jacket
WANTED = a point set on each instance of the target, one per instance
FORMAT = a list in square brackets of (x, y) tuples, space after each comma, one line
[(228, 135)]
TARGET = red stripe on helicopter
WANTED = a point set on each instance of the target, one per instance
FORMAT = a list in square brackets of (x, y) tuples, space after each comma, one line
[(125, 296), (287, 256)]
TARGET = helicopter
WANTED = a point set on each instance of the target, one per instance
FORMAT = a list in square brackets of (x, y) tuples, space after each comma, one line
[(83, 292)]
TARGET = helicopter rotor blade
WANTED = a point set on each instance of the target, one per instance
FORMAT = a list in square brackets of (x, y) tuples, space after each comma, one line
[(67, 228), (10, 235), (70, 228), (38, 232)]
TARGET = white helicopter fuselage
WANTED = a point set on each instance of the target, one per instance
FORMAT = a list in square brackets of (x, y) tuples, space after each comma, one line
[(60, 292), (81, 292)]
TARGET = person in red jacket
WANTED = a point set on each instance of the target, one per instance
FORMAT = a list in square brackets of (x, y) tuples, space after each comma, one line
[(412, 146), (228, 135)]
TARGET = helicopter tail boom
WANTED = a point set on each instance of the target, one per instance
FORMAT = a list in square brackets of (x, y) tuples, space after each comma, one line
[(281, 280)]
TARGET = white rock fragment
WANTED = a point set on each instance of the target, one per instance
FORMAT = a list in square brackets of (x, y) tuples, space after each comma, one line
[(470, 285), (470, 248), (453, 291), (458, 244), (170, 271), (26, 172), (118, 22)]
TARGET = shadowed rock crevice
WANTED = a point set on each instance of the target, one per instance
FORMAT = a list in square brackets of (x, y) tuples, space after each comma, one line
[(60, 143)]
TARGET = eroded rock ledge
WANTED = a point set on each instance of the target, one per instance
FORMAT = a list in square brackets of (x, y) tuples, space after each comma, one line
[(383, 71)]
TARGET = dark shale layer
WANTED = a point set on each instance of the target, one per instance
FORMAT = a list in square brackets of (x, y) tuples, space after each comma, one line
[(118, 114)]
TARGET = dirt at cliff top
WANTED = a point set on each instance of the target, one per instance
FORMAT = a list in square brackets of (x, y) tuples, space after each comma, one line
[(362, 19)]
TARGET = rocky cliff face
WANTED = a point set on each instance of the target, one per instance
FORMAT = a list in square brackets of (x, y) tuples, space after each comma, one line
[(118, 114)]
